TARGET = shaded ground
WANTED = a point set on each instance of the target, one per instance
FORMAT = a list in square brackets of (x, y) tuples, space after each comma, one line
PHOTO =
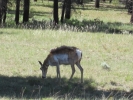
[(33, 87)]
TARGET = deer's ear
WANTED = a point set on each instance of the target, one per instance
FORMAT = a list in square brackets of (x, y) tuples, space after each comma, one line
[(40, 63)]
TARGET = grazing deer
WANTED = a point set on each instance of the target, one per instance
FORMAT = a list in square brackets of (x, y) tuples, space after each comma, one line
[(62, 55)]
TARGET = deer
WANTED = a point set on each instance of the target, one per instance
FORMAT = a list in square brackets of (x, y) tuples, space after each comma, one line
[(63, 55)]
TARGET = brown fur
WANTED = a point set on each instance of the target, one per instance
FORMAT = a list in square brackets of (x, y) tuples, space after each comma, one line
[(72, 57), (63, 49)]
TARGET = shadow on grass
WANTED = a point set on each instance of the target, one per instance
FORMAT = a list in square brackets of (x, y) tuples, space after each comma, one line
[(37, 88), (103, 7)]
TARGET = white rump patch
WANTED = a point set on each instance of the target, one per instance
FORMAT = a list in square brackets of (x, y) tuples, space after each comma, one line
[(79, 53)]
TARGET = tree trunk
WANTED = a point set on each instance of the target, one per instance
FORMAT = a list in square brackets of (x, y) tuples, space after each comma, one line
[(110, 1), (80, 2), (17, 11), (55, 13), (68, 9), (97, 3), (26, 11), (63, 11), (104, 0), (3, 9), (126, 4), (130, 6), (0, 11), (131, 20)]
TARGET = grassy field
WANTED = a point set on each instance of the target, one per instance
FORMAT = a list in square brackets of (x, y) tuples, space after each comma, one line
[(21, 48)]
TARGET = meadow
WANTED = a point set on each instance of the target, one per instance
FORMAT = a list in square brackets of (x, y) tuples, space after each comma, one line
[(22, 47)]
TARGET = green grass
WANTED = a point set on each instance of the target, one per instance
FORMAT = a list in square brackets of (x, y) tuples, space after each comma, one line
[(21, 50), (90, 29)]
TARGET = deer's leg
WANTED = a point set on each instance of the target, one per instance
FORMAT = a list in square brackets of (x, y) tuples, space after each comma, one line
[(81, 70), (73, 71), (58, 72)]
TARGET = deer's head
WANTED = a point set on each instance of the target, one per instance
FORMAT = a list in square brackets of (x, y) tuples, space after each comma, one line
[(44, 68)]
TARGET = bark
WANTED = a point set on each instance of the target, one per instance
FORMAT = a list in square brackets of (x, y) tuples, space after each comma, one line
[(3, 9), (68, 9), (17, 11), (110, 1), (55, 13), (131, 20), (26, 11), (80, 2), (97, 3), (130, 6), (104, 0), (0, 11), (126, 4), (63, 11)]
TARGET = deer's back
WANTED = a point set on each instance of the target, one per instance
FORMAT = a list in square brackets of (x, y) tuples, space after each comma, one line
[(65, 58)]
